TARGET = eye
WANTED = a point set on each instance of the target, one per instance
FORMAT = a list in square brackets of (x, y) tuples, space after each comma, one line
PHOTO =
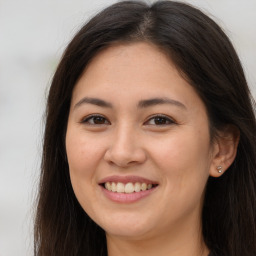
[(160, 120), (95, 120)]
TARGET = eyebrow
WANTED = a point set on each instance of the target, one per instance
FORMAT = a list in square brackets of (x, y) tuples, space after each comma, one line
[(93, 101), (141, 104), (160, 101)]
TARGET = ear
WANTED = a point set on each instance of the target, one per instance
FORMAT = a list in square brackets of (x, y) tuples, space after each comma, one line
[(224, 150)]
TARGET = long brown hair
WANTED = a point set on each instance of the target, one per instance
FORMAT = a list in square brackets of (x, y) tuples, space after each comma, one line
[(206, 58)]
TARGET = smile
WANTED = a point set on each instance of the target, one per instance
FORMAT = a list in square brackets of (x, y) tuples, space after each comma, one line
[(127, 189)]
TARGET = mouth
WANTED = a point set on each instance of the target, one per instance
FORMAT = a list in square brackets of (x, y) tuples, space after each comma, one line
[(127, 189)]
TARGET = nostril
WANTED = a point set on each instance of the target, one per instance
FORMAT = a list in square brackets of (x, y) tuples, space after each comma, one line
[(123, 155)]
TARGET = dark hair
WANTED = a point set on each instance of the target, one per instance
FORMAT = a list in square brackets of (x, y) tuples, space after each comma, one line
[(207, 60)]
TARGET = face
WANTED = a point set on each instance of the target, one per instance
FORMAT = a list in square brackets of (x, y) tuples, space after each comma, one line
[(139, 129)]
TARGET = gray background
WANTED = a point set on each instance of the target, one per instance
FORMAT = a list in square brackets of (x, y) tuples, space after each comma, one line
[(33, 35)]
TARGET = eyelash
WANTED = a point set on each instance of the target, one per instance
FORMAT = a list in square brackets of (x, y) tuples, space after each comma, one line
[(92, 117), (164, 118)]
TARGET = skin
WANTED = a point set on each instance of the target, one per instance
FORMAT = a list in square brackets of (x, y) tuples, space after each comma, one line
[(128, 140)]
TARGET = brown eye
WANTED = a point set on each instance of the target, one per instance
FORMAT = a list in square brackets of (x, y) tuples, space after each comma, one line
[(98, 120), (95, 120), (160, 120)]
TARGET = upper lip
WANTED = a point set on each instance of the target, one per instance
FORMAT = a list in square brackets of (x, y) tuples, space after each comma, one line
[(126, 179)]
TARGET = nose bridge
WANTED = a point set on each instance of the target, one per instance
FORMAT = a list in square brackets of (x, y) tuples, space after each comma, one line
[(124, 137), (125, 148)]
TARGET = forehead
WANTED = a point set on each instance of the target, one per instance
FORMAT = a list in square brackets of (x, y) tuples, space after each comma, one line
[(139, 55), (134, 71)]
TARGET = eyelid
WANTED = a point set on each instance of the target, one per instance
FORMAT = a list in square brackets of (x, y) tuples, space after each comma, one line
[(87, 118), (168, 118)]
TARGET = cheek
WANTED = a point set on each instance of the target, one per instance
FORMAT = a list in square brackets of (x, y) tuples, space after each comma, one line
[(184, 160), (82, 152), (83, 158)]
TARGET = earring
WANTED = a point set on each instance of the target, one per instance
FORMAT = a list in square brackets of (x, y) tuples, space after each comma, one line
[(219, 169)]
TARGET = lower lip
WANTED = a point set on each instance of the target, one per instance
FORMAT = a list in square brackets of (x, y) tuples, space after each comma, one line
[(127, 197)]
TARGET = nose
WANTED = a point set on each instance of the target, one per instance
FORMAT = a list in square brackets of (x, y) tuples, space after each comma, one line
[(125, 148)]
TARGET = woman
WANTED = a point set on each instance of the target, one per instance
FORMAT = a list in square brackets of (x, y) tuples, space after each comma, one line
[(149, 143)]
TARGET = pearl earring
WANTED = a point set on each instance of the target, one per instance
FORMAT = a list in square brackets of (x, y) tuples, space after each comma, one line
[(219, 169)]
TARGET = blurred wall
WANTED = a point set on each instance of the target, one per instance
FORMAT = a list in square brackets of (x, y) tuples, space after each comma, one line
[(33, 35)]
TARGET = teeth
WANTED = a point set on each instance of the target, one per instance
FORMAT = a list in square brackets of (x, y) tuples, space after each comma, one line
[(143, 186), (113, 187), (120, 187), (128, 187), (137, 187), (108, 186)]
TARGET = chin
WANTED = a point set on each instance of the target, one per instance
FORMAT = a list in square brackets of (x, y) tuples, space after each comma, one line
[(127, 226), (128, 232)]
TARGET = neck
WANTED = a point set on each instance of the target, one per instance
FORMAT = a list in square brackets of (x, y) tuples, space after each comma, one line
[(182, 241)]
